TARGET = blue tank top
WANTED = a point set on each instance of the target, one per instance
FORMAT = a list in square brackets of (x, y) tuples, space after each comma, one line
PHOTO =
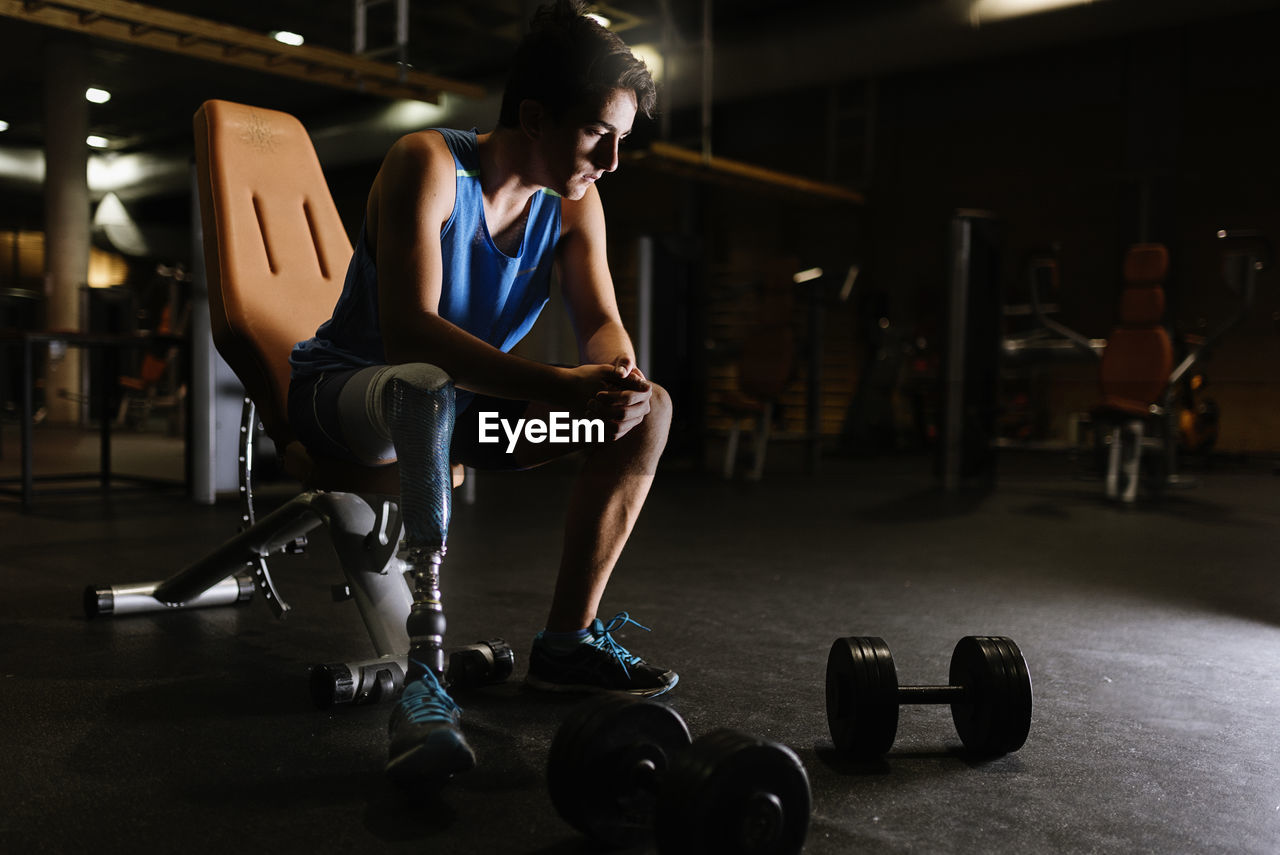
[(493, 296)]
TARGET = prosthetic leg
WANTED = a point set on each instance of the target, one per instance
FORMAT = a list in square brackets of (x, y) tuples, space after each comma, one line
[(412, 408), (416, 403)]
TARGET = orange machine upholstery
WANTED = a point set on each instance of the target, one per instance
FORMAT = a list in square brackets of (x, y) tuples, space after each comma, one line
[(1138, 359), (765, 366), (764, 369), (276, 255)]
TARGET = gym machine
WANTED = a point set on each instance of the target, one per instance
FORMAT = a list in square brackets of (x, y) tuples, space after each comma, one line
[(1245, 254)]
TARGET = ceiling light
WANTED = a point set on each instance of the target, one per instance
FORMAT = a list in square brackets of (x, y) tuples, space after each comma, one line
[(404, 116), (4, 126), (287, 38), (651, 56), (982, 11), (599, 19), (96, 141), (97, 96), (807, 275)]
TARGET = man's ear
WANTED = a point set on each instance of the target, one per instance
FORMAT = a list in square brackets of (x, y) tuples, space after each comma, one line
[(532, 117)]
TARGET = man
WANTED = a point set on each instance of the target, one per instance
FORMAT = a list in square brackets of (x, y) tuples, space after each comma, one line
[(450, 270)]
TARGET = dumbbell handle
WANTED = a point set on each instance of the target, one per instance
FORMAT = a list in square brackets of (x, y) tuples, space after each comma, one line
[(645, 775), (931, 694), (763, 809)]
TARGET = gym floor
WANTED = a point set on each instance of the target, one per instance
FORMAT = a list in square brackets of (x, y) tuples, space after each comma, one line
[(1152, 634)]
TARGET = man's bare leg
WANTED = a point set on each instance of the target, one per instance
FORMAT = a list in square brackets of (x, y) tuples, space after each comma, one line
[(603, 508)]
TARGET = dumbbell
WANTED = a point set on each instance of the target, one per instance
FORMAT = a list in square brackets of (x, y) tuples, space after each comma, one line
[(989, 690), (622, 768), (480, 664), (375, 680)]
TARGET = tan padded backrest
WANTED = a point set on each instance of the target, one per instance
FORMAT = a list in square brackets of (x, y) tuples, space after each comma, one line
[(1146, 264), (1135, 367), (275, 249), (768, 359), (1142, 307)]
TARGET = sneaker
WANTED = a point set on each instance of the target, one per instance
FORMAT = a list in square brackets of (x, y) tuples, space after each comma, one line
[(598, 663), (427, 746)]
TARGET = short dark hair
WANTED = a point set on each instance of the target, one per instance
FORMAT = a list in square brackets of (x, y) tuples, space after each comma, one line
[(568, 61)]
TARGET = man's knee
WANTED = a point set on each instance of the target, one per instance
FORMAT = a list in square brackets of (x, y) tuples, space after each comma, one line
[(366, 402), (388, 408), (659, 407), (657, 422), (419, 375)]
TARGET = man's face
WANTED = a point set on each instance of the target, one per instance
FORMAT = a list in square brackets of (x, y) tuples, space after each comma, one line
[(584, 147)]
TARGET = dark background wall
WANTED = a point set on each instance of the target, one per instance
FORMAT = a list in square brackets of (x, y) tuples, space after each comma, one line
[(1164, 136)]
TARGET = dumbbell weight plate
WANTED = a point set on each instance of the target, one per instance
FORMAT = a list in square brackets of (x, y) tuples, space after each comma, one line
[(480, 664), (733, 794), (597, 772), (862, 696), (995, 717)]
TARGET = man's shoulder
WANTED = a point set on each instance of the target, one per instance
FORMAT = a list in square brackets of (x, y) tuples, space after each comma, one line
[(417, 179), (585, 215), (422, 156), (425, 147)]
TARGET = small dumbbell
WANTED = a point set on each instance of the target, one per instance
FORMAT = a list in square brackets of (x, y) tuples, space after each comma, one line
[(375, 680), (989, 692), (621, 768), (480, 664)]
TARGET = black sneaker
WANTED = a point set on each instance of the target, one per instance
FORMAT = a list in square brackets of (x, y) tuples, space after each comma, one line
[(427, 746), (598, 664)]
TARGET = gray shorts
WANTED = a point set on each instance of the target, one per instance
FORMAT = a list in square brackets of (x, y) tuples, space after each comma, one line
[(316, 416)]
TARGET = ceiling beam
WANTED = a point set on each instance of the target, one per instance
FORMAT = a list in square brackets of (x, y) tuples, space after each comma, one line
[(147, 26), (692, 164)]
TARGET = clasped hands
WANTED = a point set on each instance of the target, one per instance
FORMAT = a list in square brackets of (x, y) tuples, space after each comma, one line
[(616, 393)]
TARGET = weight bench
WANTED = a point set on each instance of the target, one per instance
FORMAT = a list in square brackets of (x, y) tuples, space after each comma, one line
[(276, 255)]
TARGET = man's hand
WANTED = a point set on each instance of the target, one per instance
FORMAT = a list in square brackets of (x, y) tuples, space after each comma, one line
[(585, 382), (625, 402)]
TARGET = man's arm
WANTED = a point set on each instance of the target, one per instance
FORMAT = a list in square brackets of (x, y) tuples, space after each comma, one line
[(588, 286), (412, 198), (593, 308)]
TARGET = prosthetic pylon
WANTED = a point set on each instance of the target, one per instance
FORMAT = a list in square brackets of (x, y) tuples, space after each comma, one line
[(418, 405)]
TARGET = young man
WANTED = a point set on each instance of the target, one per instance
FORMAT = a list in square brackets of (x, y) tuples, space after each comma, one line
[(450, 270)]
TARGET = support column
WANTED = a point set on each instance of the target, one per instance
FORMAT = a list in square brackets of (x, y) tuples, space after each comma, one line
[(66, 201), (644, 304), (217, 396)]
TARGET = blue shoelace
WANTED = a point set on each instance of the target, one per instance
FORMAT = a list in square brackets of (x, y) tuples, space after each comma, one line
[(603, 639), (425, 700)]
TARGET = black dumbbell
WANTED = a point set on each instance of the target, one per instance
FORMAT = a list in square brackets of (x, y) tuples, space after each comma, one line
[(480, 664), (989, 692), (622, 768), (376, 680)]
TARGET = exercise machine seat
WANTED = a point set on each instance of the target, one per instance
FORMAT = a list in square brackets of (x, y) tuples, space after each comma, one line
[(1138, 359)]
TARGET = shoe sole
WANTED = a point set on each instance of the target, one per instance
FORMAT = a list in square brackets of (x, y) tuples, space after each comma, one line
[(430, 765), (541, 685)]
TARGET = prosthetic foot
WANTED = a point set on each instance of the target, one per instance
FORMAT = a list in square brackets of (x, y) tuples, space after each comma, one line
[(415, 403), (427, 746)]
